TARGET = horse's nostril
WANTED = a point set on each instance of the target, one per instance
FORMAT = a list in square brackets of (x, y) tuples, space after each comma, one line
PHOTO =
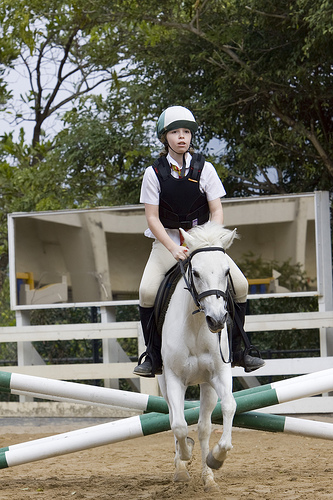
[(215, 325), (209, 320)]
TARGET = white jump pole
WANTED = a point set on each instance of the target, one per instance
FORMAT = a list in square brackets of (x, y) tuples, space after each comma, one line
[(278, 392), (303, 379), (284, 391), (44, 388), (144, 425), (89, 437), (152, 423)]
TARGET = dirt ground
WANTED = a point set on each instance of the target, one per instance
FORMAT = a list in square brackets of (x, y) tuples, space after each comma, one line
[(261, 466)]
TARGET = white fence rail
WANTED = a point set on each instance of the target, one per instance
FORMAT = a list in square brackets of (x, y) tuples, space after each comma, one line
[(124, 370)]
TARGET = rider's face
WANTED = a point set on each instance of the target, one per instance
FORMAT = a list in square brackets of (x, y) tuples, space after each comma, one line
[(179, 140)]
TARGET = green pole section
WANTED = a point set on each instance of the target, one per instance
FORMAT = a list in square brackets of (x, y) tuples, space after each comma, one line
[(257, 400), (5, 381), (260, 421), (3, 461), (159, 405), (156, 404), (253, 390), (152, 423)]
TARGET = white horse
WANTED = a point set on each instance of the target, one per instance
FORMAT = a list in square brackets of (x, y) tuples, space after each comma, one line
[(192, 351)]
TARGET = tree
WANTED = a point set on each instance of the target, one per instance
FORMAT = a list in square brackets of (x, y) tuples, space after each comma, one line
[(66, 50), (8, 53), (257, 74), (100, 155)]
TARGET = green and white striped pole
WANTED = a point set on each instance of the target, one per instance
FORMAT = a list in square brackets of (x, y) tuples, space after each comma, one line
[(279, 423), (59, 390), (248, 399), (90, 437), (145, 425), (152, 423), (303, 379), (284, 391)]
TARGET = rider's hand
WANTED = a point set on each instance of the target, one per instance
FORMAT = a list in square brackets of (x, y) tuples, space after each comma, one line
[(179, 252)]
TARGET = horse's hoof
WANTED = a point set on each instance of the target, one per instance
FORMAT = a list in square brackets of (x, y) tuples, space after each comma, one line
[(212, 462), (211, 486), (209, 481), (181, 476)]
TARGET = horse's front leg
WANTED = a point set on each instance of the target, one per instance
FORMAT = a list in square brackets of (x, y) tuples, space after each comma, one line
[(175, 390), (223, 387), (181, 472), (208, 400)]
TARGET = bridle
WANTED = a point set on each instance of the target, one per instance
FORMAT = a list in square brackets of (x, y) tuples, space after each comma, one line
[(186, 265), (190, 286)]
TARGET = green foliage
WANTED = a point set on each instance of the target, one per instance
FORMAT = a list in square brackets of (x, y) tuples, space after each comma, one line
[(257, 76), (7, 317), (128, 313), (100, 155)]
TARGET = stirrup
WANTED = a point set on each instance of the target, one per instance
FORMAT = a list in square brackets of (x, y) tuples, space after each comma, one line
[(144, 369)]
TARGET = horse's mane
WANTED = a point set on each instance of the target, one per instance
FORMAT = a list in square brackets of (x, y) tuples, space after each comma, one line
[(209, 234)]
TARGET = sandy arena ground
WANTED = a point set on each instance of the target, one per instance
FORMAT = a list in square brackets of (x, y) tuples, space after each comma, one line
[(261, 465)]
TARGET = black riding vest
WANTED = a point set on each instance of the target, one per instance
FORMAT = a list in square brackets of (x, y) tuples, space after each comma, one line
[(182, 204)]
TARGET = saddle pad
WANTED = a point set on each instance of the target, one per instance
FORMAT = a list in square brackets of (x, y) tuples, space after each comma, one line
[(164, 294)]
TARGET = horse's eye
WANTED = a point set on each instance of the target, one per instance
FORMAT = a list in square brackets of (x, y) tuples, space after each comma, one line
[(196, 274)]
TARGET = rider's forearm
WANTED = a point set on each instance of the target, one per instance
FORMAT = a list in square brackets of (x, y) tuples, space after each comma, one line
[(157, 228), (216, 211), (160, 233)]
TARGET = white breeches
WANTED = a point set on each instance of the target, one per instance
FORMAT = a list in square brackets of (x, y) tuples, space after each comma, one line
[(161, 260)]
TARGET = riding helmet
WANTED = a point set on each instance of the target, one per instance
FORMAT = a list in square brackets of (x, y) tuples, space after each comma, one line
[(175, 117)]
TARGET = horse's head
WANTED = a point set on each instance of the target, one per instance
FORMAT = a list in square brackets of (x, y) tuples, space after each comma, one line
[(209, 271)]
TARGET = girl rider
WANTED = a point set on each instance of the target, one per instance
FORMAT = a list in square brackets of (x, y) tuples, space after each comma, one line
[(171, 201)]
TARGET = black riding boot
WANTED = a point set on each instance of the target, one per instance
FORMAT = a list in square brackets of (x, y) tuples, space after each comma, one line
[(240, 357), (152, 364)]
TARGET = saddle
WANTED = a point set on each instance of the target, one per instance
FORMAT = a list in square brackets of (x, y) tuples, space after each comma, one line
[(164, 294)]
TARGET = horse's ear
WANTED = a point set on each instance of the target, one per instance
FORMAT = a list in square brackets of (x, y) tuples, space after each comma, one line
[(188, 239), (228, 238)]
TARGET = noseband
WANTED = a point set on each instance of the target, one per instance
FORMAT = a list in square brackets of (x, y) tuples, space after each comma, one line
[(190, 283)]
